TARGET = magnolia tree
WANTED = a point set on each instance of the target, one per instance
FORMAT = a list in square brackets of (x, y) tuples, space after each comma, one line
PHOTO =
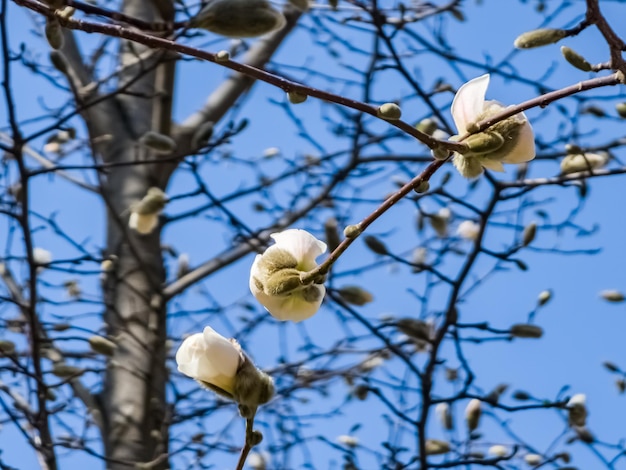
[(409, 233)]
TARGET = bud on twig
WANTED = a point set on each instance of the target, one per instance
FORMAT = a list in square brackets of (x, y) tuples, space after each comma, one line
[(472, 414), (436, 447), (612, 296), (530, 231), (295, 97), (526, 330), (355, 295), (575, 59), (376, 245), (389, 111), (539, 37)]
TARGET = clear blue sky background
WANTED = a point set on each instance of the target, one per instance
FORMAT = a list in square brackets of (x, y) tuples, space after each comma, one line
[(581, 331)]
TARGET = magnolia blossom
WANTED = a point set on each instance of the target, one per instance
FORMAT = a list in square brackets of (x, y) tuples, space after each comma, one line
[(577, 415), (211, 359), (579, 162), (275, 276), (445, 416), (41, 256), (508, 141), (468, 229), (498, 450), (472, 414)]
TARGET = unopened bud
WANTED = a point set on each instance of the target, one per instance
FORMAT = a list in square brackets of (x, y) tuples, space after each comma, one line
[(472, 414), (577, 411), (427, 126), (252, 386), (436, 447), (355, 295), (530, 231), (621, 109), (332, 233), (544, 297), (376, 245), (255, 438), (54, 33), (414, 328), (389, 111), (583, 161), (63, 370), (440, 153), (61, 326), (352, 231), (6, 347), (521, 395), (222, 56), (612, 296), (445, 416), (103, 346), (610, 366), (498, 451), (283, 282), (423, 187), (160, 143), (526, 330), (239, 18), (295, 97), (484, 142), (533, 459), (539, 37), (621, 385), (575, 59), (361, 392)]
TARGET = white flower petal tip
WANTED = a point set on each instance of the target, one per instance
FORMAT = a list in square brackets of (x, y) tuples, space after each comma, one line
[(210, 358), (275, 276), (509, 141)]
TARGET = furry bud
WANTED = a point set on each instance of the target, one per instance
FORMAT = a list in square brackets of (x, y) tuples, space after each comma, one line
[(6, 347), (621, 109), (614, 296), (436, 447), (539, 37), (355, 295), (376, 245), (525, 330), (62, 370), (103, 346), (484, 142), (530, 231), (352, 231), (239, 18), (473, 412), (423, 187), (222, 56), (332, 234), (544, 297), (389, 111), (575, 59), (295, 97)]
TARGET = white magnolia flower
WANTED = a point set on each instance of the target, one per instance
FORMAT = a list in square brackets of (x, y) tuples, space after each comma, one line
[(468, 229), (41, 256), (579, 162), (275, 276), (445, 416), (210, 358), (509, 141)]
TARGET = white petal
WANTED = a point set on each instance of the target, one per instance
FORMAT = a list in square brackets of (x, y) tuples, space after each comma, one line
[(524, 151), (301, 244), (293, 307), (492, 165), (469, 102)]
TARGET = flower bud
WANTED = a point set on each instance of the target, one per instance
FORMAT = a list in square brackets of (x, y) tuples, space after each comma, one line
[(389, 111), (239, 18), (374, 244), (472, 414), (468, 229), (41, 257), (526, 330), (575, 59), (539, 37), (441, 153), (355, 295), (484, 142), (610, 366), (157, 142), (256, 438), (61, 326), (530, 231), (498, 451), (533, 459), (621, 109), (62, 370), (295, 97), (521, 395), (544, 297), (144, 216), (352, 231), (59, 61), (415, 329), (54, 33), (102, 345), (612, 296), (427, 126), (577, 411), (222, 56), (436, 447), (6, 347), (445, 416), (348, 441), (469, 167), (574, 163), (72, 288), (423, 187), (282, 282), (332, 234), (621, 385)]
